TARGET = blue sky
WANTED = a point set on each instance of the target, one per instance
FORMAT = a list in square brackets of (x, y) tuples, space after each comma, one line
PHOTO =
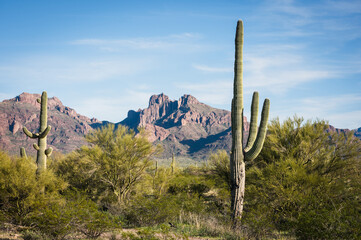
[(103, 58)]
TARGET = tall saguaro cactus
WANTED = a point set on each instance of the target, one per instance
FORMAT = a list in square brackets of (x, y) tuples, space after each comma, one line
[(42, 151), (256, 135)]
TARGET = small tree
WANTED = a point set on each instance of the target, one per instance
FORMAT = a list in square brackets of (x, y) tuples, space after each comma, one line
[(113, 165)]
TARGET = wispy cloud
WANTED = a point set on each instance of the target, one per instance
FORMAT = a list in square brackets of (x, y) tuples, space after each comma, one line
[(280, 73), (344, 7), (145, 43), (215, 93), (205, 68), (338, 110), (60, 69)]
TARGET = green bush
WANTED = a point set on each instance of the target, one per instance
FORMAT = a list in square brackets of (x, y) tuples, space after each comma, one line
[(306, 183), (110, 169), (34, 235), (22, 191), (75, 214)]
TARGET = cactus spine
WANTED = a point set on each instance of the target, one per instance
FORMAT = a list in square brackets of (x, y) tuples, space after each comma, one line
[(240, 155), (42, 151)]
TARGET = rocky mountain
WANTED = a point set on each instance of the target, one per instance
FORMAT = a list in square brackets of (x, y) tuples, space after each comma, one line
[(68, 127), (185, 127)]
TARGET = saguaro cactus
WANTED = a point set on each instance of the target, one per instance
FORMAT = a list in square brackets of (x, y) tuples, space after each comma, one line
[(42, 151), (23, 153), (173, 163), (256, 135)]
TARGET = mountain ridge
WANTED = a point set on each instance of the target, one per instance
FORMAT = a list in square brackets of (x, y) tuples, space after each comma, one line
[(185, 127)]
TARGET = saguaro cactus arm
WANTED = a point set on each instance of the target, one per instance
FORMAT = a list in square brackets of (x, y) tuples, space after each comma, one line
[(45, 132), (253, 124), (48, 151), (256, 148), (30, 134), (37, 135)]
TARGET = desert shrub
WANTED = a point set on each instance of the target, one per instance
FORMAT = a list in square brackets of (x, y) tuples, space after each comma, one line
[(306, 182), (60, 219), (22, 191), (147, 211), (218, 165), (92, 222), (34, 235), (183, 192)]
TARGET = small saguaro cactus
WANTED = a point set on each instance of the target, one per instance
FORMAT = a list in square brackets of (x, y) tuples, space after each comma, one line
[(23, 153), (173, 164), (42, 151), (155, 173), (256, 137)]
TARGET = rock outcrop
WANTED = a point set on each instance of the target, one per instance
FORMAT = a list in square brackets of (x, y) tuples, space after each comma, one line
[(185, 126)]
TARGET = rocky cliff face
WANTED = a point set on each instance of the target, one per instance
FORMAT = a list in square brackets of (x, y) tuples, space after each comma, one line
[(68, 127), (185, 126)]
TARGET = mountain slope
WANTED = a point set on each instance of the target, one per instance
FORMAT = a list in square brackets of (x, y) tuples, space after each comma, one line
[(68, 127)]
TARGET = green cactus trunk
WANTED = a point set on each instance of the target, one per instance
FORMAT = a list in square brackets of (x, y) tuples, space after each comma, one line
[(42, 151), (240, 155)]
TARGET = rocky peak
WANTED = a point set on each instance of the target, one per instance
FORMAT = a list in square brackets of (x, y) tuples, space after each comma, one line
[(158, 99), (30, 98), (187, 99), (25, 98), (54, 103)]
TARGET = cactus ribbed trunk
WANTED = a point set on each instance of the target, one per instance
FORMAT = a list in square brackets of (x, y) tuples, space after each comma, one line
[(237, 166), (240, 155), (41, 157)]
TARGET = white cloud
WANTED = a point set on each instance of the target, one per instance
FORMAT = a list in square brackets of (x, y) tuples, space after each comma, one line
[(335, 109), (59, 69), (143, 43), (205, 68), (214, 92), (281, 72)]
